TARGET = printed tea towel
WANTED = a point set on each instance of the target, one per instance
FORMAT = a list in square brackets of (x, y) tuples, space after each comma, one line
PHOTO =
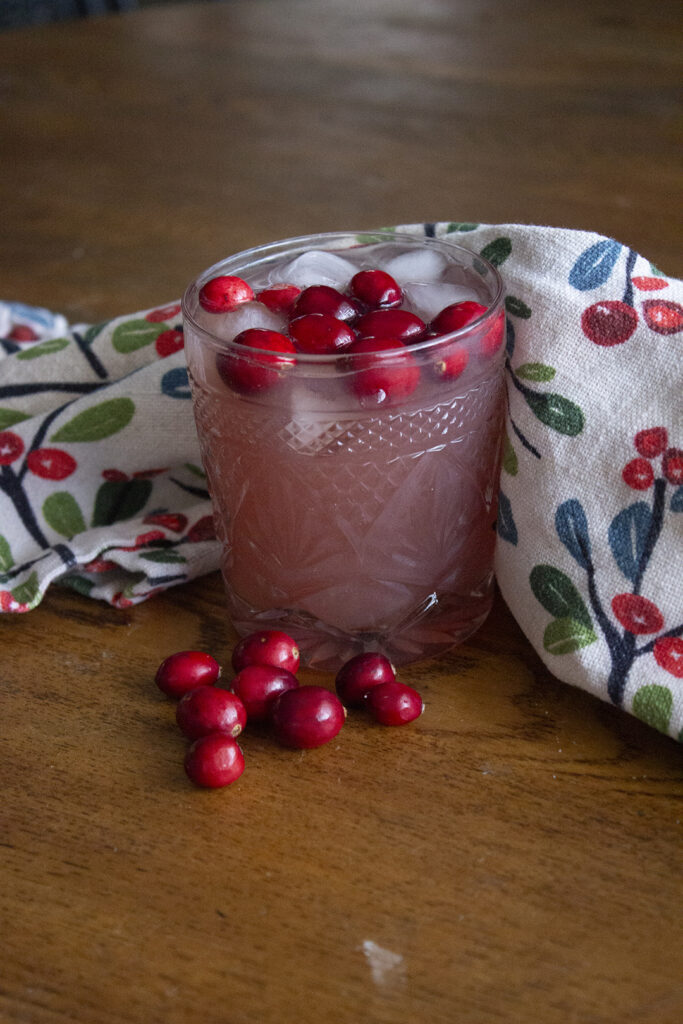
[(101, 485)]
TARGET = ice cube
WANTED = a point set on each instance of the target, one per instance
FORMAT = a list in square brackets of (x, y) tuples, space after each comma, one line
[(423, 266), (429, 299), (246, 316), (317, 267)]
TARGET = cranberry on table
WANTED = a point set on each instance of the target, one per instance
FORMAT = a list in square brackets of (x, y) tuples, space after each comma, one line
[(266, 647), (210, 709), (262, 368), (360, 674), (185, 671), (321, 298), (376, 288), (214, 761), (395, 703), (257, 686), (382, 370), (224, 293), (391, 323), (320, 334), (307, 717)]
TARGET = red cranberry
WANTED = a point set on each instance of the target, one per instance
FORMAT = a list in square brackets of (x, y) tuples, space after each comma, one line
[(390, 323), (357, 677), (307, 717), (222, 294), (383, 370), (320, 334), (320, 298), (260, 369), (638, 474), (213, 761), (651, 443), (185, 671), (451, 362), (455, 316), (395, 703), (210, 709), (376, 288), (494, 337), (672, 466), (266, 647), (280, 298), (258, 686), (22, 332)]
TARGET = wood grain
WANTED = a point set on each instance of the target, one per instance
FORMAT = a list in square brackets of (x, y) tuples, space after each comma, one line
[(514, 856)]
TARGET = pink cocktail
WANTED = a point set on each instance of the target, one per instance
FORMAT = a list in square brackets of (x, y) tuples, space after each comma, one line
[(353, 472)]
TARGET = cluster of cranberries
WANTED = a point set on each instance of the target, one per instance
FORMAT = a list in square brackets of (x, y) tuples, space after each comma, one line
[(366, 323), (265, 688)]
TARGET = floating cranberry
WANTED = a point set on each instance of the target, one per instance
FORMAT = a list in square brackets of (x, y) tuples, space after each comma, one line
[(272, 354), (320, 334), (163, 314), (321, 298), (383, 370), (609, 322), (280, 298), (451, 362), (672, 465), (637, 614), (376, 288), (391, 323), (169, 342), (652, 442), (214, 761), (222, 294), (11, 447), (668, 652), (663, 316), (50, 463), (395, 703), (357, 677), (307, 717), (22, 332), (638, 474), (209, 709), (493, 339), (266, 647), (258, 686), (185, 671), (174, 521), (457, 315)]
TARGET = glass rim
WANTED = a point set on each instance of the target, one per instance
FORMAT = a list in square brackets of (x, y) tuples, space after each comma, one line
[(271, 249)]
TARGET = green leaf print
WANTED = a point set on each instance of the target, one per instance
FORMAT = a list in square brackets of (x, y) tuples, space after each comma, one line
[(98, 421), (562, 636), (6, 560), (461, 226), (117, 500), (63, 514), (510, 463), (80, 584), (558, 595), (197, 470), (556, 412), (93, 331), (517, 307), (134, 334), (653, 705), (538, 372), (44, 349), (497, 251), (8, 417), (162, 555), (27, 591)]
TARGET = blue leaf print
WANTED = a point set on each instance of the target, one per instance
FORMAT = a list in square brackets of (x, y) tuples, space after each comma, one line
[(505, 524), (677, 500), (594, 265), (175, 383), (627, 534), (572, 529), (509, 336)]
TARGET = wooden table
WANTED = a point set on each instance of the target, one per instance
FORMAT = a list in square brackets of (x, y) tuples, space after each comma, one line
[(515, 855)]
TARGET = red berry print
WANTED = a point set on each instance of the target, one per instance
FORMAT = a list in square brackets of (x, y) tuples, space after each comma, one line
[(258, 686), (120, 601), (262, 368), (22, 332), (391, 323), (10, 604), (668, 652), (320, 298), (280, 298), (384, 371), (672, 466), (100, 565), (307, 717), (266, 647), (638, 474), (214, 761), (185, 671), (652, 442), (359, 675), (649, 284), (224, 293), (174, 521), (144, 539), (320, 334), (455, 316), (637, 614), (209, 709), (144, 474), (663, 316), (376, 289), (163, 314), (114, 475), (203, 530), (11, 447), (395, 703), (50, 463), (609, 322), (169, 342)]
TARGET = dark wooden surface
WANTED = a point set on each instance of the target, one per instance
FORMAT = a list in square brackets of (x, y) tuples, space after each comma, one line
[(515, 853)]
